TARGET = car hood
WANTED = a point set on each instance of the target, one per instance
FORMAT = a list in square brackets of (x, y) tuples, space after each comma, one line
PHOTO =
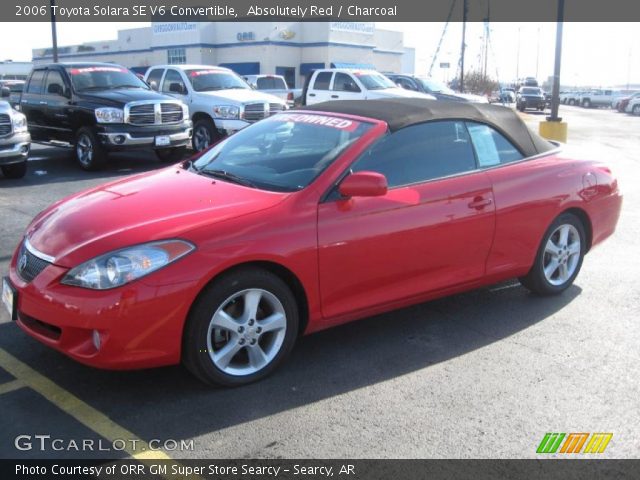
[(397, 93), (242, 96), (119, 97), (5, 107), (164, 204)]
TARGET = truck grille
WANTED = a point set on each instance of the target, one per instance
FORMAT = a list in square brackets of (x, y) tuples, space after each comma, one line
[(5, 124), (31, 267), (254, 112), (275, 108), (155, 113)]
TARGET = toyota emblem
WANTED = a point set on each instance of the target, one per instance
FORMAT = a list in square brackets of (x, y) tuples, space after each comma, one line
[(22, 263)]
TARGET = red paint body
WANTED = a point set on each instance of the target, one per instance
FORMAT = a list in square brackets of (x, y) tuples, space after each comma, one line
[(353, 258)]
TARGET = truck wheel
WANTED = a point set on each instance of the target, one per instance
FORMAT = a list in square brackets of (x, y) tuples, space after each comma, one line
[(171, 155), (205, 134), (586, 103), (636, 110), (572, 102), (89, 153), (15, 170)]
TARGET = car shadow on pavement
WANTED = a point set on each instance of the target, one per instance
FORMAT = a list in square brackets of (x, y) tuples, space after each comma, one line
[(170, 403)]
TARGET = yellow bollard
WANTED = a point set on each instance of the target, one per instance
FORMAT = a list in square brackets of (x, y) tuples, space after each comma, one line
[(554, 131)]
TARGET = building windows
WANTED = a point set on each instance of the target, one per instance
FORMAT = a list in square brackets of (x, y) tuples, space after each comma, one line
[(176, 56)]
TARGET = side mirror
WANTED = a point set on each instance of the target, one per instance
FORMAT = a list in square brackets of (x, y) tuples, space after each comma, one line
[(6, 93), (153, 85), (55, 89), (363, 184), (176, 88)]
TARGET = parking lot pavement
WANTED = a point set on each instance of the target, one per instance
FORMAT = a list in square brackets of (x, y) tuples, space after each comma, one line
[(482, 374)]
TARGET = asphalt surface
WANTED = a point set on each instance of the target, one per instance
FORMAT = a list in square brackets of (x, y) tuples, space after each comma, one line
[(483, 374)]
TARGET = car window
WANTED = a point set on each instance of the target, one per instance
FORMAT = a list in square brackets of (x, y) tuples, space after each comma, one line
[(55, 83), (155, 76), (36, 82), (420, 153), (172, 76), (491, 147), (271, 83), (406, 83), (213, 79), (344, 83), (323, 79)]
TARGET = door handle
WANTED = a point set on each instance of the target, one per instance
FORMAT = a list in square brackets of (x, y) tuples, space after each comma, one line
[(480, 202), (42, 102), (312, 94), (335, 96)]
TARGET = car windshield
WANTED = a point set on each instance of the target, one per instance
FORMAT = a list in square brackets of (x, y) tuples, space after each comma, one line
[(271, 83), (208, 80), (434, 87), (103, 77), (374, 81), (531, 91), (283, 153)]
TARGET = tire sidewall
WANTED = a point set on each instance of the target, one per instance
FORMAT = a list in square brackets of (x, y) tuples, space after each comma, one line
[(98, 157), (15, 170), (207, 123), (195, 353)]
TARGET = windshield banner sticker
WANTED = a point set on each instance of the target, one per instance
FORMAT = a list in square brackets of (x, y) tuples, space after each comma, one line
[(322, 120)]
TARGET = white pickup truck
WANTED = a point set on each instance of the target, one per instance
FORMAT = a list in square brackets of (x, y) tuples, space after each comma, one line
[(349, 84), (220, 102), (274, 85), (15, 140), (597, 98)]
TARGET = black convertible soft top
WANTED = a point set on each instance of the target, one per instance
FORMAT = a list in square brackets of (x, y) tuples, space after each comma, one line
[(403, 112)]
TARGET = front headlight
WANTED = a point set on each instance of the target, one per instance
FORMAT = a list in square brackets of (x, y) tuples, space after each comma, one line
[(109, 115), (123, 266), (226, 111), (19, 123), (185, 111)]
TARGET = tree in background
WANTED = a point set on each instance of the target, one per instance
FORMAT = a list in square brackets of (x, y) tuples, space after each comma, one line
[(476, 82)]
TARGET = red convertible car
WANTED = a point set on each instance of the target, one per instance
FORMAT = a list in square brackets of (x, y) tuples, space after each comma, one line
[(303, 221)]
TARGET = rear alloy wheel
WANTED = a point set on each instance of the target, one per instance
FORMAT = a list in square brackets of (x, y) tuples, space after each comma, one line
[(89, 153), (15, 170), (586, 103), (171, 155), (559, 257), (241, 328), (205, 134)]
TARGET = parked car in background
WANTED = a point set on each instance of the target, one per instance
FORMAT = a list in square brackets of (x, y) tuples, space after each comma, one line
[(15, 140), (573, 97), (220, 101), (350, 84), (304, 221), (15, 90), (530, 97), (620, 104), (530, 82), (98, 108), (634, 105), (274, 85), (597, 98), (439, 90)]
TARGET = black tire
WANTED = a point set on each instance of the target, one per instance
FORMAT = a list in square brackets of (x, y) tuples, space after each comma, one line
[(572, 101), (586, 103), (536, 280), (15, 170), (171, 155), (89, 153), (205, 134), (195, 345)]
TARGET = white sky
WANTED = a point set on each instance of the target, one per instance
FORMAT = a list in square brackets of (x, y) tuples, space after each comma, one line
[(596, 54)]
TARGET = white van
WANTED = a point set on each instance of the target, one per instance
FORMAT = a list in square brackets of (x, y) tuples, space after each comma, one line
[(352, 84)]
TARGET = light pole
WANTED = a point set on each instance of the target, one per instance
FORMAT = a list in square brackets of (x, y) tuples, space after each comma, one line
[(54, 34)]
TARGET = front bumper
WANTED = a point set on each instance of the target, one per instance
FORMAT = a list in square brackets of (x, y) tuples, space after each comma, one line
[(229, 126), (15, 149), (532, 102), (126, 137)]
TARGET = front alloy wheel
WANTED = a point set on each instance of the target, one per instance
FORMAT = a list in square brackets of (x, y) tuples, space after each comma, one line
[(241, 328), (89, 152), (559, 257)]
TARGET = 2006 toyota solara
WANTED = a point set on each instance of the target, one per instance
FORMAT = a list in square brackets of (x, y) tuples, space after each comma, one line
[(302, 221)]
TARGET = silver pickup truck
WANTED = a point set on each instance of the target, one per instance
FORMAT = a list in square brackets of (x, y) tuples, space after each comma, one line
[(274, 85), (597, 98), (15, 140)]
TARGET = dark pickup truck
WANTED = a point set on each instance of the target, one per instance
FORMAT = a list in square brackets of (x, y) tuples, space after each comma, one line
[(98, 108)]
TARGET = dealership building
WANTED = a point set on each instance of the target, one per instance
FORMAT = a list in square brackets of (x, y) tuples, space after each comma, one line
[(291, 49)]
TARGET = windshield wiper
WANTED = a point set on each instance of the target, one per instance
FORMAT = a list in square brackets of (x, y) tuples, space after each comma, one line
[(223, 174)]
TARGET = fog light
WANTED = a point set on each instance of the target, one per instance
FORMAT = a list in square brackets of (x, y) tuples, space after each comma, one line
[(96, 339), (24, 149), (119, 139)]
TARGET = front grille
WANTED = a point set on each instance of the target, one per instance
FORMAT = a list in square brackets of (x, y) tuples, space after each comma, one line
[(142, 114), (31, 267), (254, 112), (171, 113), (5, 124), (275, 108)]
